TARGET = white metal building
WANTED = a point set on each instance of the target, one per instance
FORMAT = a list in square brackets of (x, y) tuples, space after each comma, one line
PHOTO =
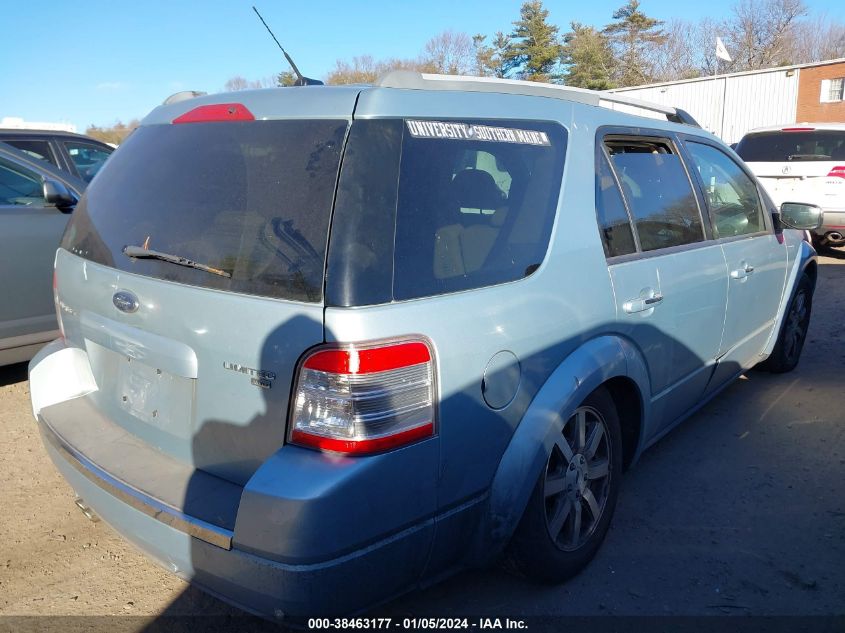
[(731, 105)]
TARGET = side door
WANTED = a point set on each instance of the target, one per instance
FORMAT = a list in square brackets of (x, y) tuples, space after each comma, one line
[(756, 259), (30, 231), (669, 276)]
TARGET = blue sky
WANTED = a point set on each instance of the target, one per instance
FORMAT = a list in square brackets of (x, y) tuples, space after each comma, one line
[(98, 61)]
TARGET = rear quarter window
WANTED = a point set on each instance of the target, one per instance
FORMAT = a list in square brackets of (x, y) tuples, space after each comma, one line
[(462, 204)]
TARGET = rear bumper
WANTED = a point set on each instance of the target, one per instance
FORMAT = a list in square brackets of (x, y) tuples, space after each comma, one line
[(256, 584), (307, 535), (834, 220)]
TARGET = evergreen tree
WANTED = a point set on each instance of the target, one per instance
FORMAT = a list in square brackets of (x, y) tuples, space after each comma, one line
[(490, 59), (634, 37), (587, 58), (534, 50), (286, 78)]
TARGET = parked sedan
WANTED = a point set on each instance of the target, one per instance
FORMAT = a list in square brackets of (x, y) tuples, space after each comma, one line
[(35, 202), (76, 154)]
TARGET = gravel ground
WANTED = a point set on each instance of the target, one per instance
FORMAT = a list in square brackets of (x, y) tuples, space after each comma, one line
[(741, 510)]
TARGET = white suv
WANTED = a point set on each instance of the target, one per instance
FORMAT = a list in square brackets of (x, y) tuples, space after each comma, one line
[(802, 163)]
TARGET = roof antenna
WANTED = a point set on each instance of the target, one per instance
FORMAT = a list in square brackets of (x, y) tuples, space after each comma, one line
[(301, 79)]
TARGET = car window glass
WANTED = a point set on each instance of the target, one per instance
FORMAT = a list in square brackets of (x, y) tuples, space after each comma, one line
[(476, 203), (19, 187), (251, 198), (731, 195), (802, 145), (616, 233), (36, 149), (658, 192), (88, 158)]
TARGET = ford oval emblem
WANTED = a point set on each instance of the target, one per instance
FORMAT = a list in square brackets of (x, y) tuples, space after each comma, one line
[(125, 301)]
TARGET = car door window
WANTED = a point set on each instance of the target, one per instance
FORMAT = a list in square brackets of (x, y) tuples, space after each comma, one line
[(730, 193), (35, 148), (658, 192), (615, 225), (19, 187), (88, 158)]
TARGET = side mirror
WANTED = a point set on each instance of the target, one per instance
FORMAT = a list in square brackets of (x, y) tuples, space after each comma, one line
[(797, 215), (57, 194)]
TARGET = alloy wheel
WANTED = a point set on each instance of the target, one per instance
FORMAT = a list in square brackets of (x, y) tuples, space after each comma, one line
[(577, 480)]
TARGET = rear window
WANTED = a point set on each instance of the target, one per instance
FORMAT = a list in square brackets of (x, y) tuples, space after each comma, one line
[(251, 199), (781, 147), (432, 207)]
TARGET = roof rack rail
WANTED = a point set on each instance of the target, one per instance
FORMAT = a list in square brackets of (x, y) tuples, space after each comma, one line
[(184, 95), (424, 81)]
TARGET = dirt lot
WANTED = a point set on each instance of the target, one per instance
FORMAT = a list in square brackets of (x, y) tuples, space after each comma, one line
[(741, 511)]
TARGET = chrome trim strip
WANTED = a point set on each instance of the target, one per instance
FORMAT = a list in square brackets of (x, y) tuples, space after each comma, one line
[(134, 498), (28, 339)]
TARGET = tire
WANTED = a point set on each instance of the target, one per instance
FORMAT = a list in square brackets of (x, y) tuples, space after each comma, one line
[(820, 244), (793, 330), (549, 544)]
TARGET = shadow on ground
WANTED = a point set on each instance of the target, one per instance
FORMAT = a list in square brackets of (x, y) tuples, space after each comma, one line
[(11, 374)]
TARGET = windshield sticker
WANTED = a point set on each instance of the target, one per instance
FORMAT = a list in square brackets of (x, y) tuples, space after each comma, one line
[(467, 132)]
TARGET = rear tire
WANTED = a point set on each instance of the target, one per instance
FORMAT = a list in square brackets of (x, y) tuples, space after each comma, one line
[(570, 509), (793, 330), (821, 244)]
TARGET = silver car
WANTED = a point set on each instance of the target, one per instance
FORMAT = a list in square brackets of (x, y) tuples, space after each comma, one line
[(35, 202)]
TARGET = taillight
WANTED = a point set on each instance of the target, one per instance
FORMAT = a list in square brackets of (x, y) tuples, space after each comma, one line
[(216, 112), (838, 171), (798, 129), (57, 303), (364, 398)]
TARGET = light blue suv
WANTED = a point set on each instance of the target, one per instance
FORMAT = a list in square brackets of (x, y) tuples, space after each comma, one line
[(323, 344)]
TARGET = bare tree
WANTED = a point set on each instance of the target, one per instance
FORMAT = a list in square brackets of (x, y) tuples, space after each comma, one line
[(450, 53), (689, 49), (366, 70), (238, 82), (818, 39), (761, 33)]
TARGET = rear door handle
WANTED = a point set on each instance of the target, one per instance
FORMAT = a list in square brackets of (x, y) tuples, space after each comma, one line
[(641, 304), (743, 272)]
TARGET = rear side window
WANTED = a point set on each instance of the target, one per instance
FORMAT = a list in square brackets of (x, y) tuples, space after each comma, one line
[(731, 195), (657, 191), (35, 148), (781, 147), (474, 213), (471, 204), (252, 199)]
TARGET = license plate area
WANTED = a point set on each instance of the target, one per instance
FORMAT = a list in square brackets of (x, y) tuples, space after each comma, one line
[(132, 389)]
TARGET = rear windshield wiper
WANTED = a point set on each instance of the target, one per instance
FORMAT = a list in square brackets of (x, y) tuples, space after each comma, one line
[(141, 252)]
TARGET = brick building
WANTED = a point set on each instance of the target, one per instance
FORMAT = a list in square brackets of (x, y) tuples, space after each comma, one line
[(730, 105)]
